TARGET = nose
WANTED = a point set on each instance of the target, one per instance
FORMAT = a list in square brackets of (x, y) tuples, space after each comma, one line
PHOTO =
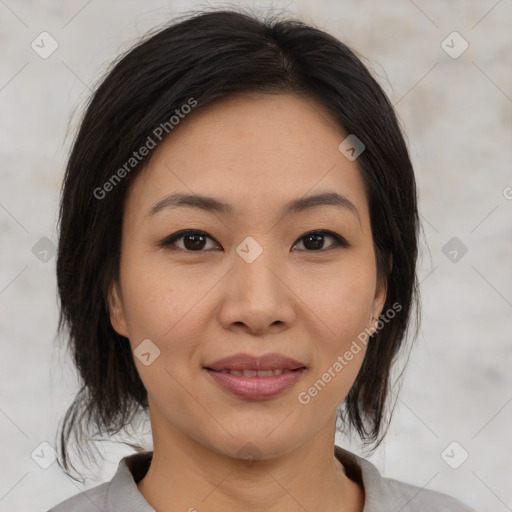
[(257, 297)]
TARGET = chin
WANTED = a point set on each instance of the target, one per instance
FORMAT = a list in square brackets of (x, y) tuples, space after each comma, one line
[(251, 446)]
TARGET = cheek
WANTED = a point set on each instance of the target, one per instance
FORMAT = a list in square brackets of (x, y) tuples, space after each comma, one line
[(340, 299), (169, 307), (157, 297), (147, 304)]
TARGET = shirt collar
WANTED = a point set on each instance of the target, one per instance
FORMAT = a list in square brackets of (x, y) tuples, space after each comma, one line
[(123, 493), (364, 472)]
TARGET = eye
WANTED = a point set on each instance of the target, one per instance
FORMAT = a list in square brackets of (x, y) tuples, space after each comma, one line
[(193, 241), (314, 240), (196, 241)]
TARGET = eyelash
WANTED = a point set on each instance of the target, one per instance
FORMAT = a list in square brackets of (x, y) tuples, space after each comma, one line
[(339, 242)]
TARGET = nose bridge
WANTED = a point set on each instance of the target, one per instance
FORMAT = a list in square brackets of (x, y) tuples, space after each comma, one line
[(257, 295), (257, 268)]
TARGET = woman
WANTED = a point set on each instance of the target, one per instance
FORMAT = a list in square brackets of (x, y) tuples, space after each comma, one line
[(237, 257)]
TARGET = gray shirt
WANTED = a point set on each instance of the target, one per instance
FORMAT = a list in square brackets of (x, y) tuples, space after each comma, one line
[(382, 494)]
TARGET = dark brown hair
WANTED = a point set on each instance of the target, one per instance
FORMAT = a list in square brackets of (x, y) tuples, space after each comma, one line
[(208, 56)]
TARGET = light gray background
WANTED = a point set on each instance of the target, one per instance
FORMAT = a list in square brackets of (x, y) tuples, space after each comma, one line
[(457, 113)]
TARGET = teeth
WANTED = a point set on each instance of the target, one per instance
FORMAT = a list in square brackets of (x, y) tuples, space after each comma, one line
[(254, 373)]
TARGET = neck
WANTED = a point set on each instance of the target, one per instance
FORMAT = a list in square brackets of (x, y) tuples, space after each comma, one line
[(185, 475)]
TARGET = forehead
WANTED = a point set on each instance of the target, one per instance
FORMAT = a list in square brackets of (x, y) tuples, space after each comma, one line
[(256, 151)]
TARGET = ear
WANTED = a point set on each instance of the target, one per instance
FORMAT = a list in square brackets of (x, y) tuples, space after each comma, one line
[(116, 309), (378, 301), (380, 296)]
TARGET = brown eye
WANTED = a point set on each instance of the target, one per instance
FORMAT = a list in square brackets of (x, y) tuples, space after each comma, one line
[(191, 241), (314, 241), (196, 241)]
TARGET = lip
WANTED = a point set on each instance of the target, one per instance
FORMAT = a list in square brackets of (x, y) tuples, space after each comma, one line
[(256, 388), (272, 361)]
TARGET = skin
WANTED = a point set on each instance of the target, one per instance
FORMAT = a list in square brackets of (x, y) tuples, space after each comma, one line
[(255, 152)]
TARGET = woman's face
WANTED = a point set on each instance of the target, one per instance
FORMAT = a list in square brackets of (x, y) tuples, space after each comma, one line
[(254, 281)]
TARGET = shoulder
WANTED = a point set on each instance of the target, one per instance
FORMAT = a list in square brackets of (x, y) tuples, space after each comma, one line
[(417, 499), (87, 501), (120, 493), (390, 495)]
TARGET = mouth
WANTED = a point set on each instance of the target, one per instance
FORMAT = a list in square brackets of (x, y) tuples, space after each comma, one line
[(255, 378), (257, 373), (248, 362)]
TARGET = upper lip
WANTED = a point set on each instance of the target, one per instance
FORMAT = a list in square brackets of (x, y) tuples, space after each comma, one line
[(271, 361)]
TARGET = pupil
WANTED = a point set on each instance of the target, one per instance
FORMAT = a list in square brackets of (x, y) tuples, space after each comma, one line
[(318, 241), (198, 241)]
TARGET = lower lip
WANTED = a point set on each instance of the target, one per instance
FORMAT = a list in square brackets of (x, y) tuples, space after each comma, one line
[(256, 388)]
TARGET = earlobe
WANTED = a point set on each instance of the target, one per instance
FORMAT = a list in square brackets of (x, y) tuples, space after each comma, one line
[(116, 310)]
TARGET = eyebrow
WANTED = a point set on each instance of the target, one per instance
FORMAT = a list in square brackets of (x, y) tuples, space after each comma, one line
[(212, 204)]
